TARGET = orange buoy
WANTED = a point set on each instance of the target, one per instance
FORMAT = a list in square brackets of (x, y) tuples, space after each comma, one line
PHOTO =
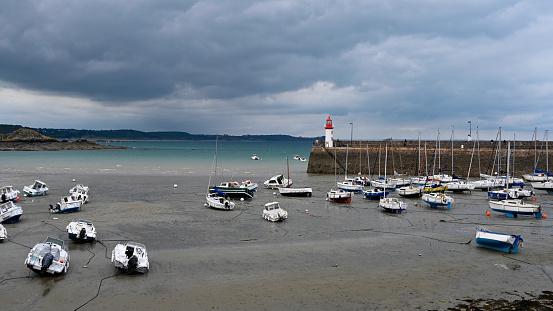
[(544, 216), (488, 213), (533, 199)]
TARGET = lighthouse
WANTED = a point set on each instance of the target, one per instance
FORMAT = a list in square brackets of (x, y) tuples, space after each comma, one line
[(329, 133)]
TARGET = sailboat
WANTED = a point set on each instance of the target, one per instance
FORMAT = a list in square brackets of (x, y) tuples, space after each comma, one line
[(545, 182), (390, 204), (413, 190), (349, 184), (457, 185), (514, 207), (539, 175), (214, 197), (294, 192), (339, 195), (482, 184)]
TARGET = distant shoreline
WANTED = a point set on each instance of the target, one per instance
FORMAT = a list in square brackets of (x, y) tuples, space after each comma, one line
[(54, 146)]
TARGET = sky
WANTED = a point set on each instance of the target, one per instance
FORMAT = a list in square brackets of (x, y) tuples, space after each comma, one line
[(378, 68)]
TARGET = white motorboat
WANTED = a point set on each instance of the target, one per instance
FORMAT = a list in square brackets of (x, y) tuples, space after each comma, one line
[(392, 205), (303, 159), (459, 186), (435, 200), (513, 208), (483, 184), (36, 189), (350, 185), (48, 257), (297, 157), (273, 212), (218, 201), (130, 257), (384, 183), (80, 192), (277, 181), (339, 196), (255, 157), (81, 230), (412, 191), (7, 193), (246, 183), (10, 213), (3, 233), (67, 204)]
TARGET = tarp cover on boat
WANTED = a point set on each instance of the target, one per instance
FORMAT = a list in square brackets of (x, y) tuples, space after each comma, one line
[(218, 191), (542, 171)]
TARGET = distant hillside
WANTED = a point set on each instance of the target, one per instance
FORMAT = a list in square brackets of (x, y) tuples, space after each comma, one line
[(73, 134)]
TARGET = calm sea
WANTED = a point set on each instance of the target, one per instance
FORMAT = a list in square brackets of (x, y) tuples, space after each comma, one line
[(163, 158)]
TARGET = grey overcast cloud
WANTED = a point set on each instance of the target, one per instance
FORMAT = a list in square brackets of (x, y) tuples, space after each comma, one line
[(383, 68)]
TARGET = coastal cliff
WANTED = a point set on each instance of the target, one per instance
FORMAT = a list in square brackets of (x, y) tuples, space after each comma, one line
[(403, 157)]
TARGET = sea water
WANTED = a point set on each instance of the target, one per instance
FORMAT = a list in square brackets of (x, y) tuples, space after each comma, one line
[(164, 158)]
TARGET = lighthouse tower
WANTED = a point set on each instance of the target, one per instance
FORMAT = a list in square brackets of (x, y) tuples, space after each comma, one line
[(329, 133)]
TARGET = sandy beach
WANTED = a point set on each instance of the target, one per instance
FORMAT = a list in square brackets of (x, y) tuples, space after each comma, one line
[(336, 257)]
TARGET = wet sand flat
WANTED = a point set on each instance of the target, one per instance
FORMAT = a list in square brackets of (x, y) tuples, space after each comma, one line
[(336, 257)]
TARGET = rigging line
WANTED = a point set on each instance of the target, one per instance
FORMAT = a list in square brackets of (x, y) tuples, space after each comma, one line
[(285, 231), (104, 245), (47, 223), (27, 230), (97, 293)]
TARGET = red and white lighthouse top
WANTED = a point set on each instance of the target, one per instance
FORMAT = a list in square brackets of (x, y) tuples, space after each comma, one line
[(329, 123)]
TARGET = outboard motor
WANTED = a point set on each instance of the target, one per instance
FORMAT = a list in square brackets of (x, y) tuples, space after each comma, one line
[(133, 263), (82, 234), (4, 197), (46, 262)]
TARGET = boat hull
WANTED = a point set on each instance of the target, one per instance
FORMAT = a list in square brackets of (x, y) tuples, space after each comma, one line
[(499, 241), (296, 192), (513, 208), (11, 220), (234, 192)]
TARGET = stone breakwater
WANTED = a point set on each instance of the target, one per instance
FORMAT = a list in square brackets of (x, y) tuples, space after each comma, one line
[(363, 157)]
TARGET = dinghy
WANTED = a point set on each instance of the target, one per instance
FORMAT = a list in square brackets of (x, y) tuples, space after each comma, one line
[(48, 257), (130, 257), (81, 231), (499, 241)]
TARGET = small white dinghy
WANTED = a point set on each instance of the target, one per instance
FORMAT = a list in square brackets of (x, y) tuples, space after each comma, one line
[(130, 257), (80, 192), (36, 189), (3, 233), (48, 257), (81, 231), (273, 212)]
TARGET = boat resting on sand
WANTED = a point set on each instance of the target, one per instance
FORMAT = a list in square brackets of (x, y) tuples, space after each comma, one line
[(437, 200), (513, 208), (80, 192), (10, 213), (273, 212), (339, 196), (7, 193), (81, 231), (295, 192), (509, 243), (233, 190), (130, 257), (67, 204), (48, 257), (36, 189), (277, 181), (3, 233), (392, 205), (218, 201)]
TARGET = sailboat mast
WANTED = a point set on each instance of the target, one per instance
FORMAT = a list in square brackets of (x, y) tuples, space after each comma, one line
[(452, 139), (288, 169), (419, 155)]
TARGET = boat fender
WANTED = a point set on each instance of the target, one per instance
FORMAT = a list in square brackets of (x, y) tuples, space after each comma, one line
[(46, 262), (533, 199)]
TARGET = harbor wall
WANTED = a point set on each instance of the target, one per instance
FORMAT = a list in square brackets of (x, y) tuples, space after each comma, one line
[(363, 156)]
